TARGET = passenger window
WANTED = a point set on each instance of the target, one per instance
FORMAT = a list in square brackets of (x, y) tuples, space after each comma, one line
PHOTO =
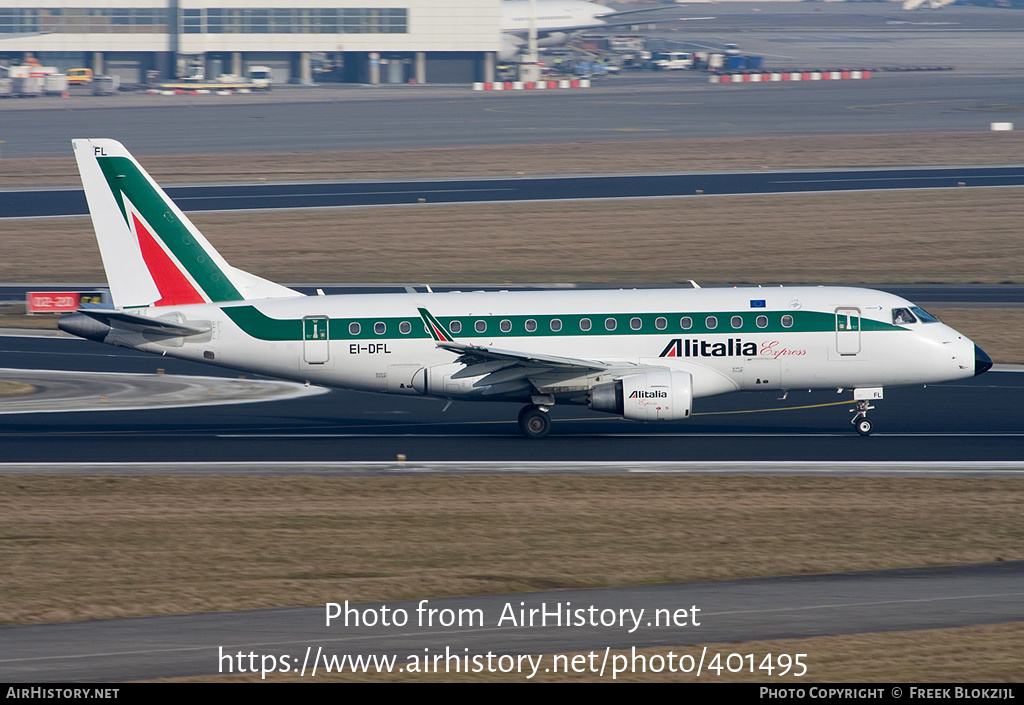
[(661, 323), (711, 322), (531, 325), (787, 321), (635, 323), (556, 324), (585, 324), (762, 321), (610, 323), (686, 323), (737, 321), (455, 327), (480, 326), (505, 325), (379, 328), (353, 328), (404, 327)]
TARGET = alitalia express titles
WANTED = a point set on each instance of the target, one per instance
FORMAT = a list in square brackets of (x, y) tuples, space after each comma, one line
[(733, 347)]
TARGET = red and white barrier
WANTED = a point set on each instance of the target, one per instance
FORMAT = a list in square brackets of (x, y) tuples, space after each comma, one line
[(531, 85), (774, 76), (196, 91)]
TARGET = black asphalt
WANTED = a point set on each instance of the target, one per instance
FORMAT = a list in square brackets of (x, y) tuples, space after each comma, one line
[(41, 203), (976, 419)]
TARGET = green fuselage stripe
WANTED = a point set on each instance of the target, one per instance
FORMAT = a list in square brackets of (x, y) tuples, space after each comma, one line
[(262, 327)]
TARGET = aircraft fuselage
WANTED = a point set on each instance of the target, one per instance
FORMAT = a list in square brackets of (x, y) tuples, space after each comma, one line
[(727, 339)]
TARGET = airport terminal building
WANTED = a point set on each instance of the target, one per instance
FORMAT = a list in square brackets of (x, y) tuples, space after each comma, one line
[(362, 41)]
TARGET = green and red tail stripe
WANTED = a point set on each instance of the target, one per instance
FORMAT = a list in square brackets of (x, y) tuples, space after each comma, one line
[(183, 270), (152, 253)]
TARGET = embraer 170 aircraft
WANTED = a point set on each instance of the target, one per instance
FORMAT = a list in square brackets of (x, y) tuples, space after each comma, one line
[(645, 355)]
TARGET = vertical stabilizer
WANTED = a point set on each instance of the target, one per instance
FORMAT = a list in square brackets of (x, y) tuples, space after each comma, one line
[(127, 274), (152, 253)]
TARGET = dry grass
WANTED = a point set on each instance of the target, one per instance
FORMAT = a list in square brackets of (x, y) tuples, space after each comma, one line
[(982, 654), (83, 548), (649, 155), (947, 236), (12, 315)]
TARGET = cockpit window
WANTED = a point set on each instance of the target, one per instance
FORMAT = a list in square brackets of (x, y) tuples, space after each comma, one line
[(923, 315), (902, 316)]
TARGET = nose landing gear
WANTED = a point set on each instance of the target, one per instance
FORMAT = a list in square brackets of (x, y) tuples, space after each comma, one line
[(860, 421), (863, 424), (862, 398)]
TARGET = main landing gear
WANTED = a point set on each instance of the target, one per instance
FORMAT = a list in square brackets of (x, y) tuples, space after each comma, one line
[(534, 421)]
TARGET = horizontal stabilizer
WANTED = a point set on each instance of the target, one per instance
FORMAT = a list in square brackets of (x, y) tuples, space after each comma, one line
[(94, 325)]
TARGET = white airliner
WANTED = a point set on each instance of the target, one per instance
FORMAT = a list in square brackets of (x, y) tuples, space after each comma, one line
[(557, 20), (642, 354)]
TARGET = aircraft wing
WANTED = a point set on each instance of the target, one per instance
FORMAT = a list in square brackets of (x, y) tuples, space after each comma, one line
[(620, 13), (477, 355), (506, 371), (604, 25)]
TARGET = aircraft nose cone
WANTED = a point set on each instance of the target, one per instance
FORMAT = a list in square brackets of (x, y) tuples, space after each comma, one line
[(982, 362)]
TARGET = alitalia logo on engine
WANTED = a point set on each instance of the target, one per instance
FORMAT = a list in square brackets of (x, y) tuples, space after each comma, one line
[(678, 347), (644, 394)]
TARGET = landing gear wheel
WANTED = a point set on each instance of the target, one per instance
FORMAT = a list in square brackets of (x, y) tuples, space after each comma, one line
[(860, 420), (534, 422)]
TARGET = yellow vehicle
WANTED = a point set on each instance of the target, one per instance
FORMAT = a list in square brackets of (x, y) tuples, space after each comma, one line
[(78, 77)]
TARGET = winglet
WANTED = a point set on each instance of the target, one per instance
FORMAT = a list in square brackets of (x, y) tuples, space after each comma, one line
[(436, 329)]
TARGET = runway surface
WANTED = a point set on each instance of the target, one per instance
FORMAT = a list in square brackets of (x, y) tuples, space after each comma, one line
[(57, 202), (984, 44), (971, 420), (618, 110), (692, 613)]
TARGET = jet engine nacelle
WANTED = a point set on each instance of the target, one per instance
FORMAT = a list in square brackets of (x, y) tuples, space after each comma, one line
[(658, 395)]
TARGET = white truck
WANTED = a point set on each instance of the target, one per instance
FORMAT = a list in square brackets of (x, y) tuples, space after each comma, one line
[(260, 77), (673, 60)]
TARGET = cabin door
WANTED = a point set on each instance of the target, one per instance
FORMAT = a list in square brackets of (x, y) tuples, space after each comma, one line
[(847, 331), (315, 340)]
